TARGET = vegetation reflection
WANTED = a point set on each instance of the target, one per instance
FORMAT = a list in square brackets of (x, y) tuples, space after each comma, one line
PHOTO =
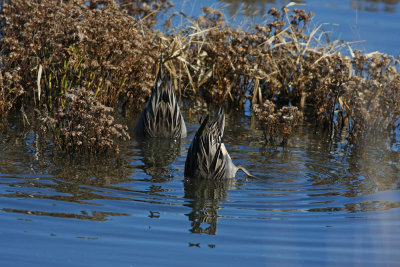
[(54, 176), (363, 168)]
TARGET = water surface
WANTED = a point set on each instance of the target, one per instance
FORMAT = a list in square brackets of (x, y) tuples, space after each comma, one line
[(313, 202), (368, 25)]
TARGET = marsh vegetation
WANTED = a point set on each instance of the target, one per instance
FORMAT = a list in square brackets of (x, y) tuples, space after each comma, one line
[(70, 69)]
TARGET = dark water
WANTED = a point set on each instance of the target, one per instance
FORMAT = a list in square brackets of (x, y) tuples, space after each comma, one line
[(313, 202)]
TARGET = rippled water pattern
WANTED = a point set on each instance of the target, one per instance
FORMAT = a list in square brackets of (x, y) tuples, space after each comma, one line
[(313, 202)]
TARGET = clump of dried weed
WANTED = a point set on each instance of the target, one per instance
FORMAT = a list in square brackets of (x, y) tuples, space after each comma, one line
[(352, 97), (277, 125), (49, 45), (225, 64), (48, 48), (111, 48), (146, 11), (84, 124)]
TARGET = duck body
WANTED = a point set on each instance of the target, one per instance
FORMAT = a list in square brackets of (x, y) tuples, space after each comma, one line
[(161, 116), (207, 157)]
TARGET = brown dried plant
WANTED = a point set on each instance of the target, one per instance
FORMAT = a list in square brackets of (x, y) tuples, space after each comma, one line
[(49, 47), (353, 97), (223, 64), (146, 11), (111, 48), (84, 124), (106, 50), (277, 125)]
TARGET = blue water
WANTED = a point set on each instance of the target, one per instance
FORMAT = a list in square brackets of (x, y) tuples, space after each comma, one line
[(309, 205), (312, 203), (368, 25)]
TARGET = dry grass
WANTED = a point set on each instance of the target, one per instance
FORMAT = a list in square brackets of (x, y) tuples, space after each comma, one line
[(277, 125), (107, 53), (83, 124)]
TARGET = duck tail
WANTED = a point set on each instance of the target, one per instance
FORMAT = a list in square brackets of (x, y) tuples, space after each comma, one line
[(160, 74), (243, 169)]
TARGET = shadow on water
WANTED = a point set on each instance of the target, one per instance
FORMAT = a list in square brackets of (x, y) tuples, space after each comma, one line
[(205, 195)]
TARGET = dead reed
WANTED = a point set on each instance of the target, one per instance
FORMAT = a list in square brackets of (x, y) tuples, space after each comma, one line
[(57, 55), (277, 125), (83, 124)]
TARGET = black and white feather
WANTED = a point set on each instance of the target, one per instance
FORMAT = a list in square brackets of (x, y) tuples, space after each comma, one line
[(161, 116), (207, 157)]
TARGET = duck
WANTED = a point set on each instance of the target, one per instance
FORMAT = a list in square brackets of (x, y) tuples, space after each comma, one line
[(161, 116), (207, 157)]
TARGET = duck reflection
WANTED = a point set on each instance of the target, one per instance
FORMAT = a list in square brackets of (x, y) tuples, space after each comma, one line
[(157, 154), (206, 195)]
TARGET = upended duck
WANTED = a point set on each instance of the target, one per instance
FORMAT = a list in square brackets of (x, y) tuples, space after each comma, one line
[(207, 157), (161, 116)]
